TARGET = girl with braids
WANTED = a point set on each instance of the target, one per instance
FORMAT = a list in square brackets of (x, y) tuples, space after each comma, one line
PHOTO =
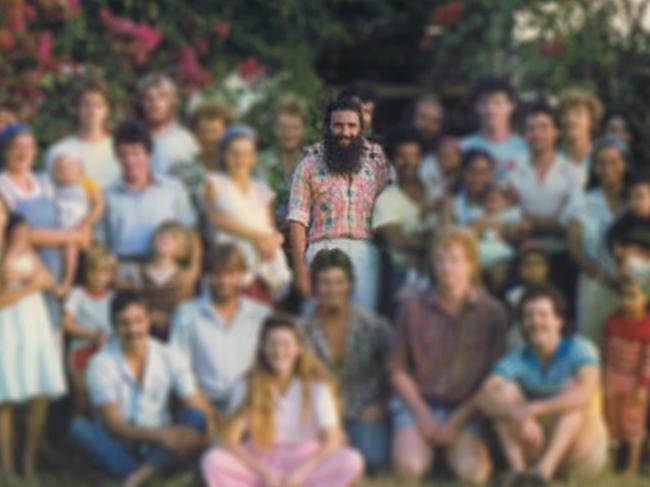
[(289, 414)]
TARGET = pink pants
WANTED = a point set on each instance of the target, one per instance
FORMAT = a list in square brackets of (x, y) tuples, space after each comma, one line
[(342, 468)]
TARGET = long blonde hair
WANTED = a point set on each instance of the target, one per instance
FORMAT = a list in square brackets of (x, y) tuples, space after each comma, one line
[(259, 405)]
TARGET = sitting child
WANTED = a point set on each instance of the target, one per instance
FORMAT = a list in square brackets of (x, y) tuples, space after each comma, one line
[(627, 373), (169, 277), (80, 205), (86, 317), (532, 269), (494, 221)]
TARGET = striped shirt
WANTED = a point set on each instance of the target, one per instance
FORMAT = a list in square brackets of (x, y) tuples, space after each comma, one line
[(627, 346)]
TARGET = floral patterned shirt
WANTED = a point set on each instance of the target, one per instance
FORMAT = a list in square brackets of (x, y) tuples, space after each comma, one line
[(333, 205)]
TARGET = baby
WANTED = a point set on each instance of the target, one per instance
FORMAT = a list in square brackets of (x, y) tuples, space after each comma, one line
[(80, 205), (494, 221)]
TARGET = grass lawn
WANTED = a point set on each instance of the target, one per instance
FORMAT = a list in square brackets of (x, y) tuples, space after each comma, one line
[(52, 479)]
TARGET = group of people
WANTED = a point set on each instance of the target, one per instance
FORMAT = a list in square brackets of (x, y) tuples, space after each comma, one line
[(306, 314)]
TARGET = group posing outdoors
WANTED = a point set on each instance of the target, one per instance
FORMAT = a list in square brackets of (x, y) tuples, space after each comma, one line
[(308, 314)]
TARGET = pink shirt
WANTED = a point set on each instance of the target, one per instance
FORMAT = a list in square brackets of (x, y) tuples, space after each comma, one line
[(333, 205)]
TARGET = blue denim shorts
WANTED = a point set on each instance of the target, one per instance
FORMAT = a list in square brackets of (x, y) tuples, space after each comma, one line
[(403, 417)]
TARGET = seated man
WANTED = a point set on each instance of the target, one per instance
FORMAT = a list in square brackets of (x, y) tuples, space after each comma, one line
[(130, 382), (448, 338), (218, 331), (544, 397)]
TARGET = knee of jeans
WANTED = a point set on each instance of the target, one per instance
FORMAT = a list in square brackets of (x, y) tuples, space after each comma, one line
[(194, 418), (80, 430)]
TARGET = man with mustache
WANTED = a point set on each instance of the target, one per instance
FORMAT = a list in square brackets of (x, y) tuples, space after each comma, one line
[(130, 382), (332, 197)]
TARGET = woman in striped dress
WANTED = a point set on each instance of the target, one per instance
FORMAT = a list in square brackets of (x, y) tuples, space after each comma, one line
[(31, 370)]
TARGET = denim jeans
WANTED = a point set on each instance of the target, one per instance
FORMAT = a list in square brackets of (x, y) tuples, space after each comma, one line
[(122, 458), (371, 438)]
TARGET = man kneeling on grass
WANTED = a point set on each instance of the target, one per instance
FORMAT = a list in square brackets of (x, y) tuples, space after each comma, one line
[(544, 398), (131, 381)]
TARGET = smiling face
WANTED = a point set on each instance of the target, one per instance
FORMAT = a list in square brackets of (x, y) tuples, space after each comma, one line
[(406, 160), (168, 244), (333, 287), (345, 126), (132, 326), (640, 200), (158, 104), (576, 121), (239, 158), (609, 167), (209, 132), (542, 325), (478, 176), (541, 133), (281, 351), (67, 169), (495, 110), (134, 159), (20, 153), (452, 266), (428, 119), (93, 110), (289, 131), (225, 284)]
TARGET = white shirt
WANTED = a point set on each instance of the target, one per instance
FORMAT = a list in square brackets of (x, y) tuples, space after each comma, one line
[(393, 206), (549, 196), (290, 426), (173, 147), (110, 380), (594, 215), (219, 353), (92, 312), (99, 161)]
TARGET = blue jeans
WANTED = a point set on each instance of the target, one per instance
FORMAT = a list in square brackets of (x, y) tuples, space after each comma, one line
[(371, 439), (122, 458)]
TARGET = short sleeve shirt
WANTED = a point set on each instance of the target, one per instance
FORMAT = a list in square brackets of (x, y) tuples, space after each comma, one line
[(290, 426), (131, 217), (145, 404), (336, 206), (523, 366), (89, 311)]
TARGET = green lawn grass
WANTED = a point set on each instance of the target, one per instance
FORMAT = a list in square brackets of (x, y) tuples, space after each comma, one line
[(69, 479)]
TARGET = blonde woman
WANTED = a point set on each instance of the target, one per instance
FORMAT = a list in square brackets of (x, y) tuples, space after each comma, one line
[(290, 419)]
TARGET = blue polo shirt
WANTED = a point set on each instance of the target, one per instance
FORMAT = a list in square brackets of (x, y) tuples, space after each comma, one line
[(537, 381)]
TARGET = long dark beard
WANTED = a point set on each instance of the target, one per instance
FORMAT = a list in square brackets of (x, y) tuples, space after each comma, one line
[(342, 159)]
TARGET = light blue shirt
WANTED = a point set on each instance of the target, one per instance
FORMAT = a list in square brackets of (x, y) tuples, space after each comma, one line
[(523, 366), (131, 217), (507, 153), (219, 353), (146, 404)]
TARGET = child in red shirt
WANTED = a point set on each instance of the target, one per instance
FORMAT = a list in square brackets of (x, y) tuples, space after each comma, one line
[(627, 372)]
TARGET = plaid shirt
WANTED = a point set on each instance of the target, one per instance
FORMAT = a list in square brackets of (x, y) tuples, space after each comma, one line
[(333, 205), (361, 371), (448, 356)]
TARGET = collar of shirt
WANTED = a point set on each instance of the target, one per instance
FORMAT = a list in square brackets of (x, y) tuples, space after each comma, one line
[(154, 180), (432, 297), (561, 352), (151, 362), (207, 309)]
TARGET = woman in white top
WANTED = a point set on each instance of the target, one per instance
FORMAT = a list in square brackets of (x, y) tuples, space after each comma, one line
[(92, 139), (31, 369), (290, 419), (589, 217), (239, 209)]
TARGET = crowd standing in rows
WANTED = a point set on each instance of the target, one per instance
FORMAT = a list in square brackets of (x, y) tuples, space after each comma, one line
[(305, 314)]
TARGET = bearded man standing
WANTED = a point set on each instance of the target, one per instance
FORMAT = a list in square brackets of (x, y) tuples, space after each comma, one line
[(332, 197)]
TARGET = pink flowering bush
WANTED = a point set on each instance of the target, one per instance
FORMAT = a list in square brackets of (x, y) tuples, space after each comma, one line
[(49, 46)]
